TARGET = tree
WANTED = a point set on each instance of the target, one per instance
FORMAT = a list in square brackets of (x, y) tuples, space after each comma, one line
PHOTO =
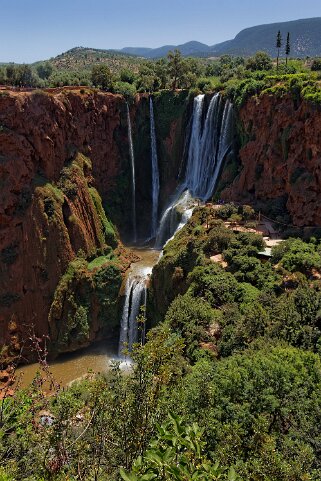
[(24, 77), (44, 70), (11, 74), (278, 46), (127, 76), (176, 68), (178, 453), (101, 76), (161, 72), (287, 47), (259, 61), (260, 410), (316, 65)]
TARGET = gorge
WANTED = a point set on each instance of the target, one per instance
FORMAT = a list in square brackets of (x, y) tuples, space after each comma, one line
[(206, 320), (69, 157)]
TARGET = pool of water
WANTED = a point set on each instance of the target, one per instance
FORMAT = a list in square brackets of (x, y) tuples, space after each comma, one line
[(95, 358)]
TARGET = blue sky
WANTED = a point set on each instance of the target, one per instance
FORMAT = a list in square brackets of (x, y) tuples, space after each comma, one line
[(38, 29)]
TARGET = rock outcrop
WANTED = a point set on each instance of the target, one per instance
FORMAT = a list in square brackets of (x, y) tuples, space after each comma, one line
[(281, 156)]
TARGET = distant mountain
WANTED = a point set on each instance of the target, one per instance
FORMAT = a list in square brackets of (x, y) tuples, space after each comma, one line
[(305, 41), (138, 51), (188, 49)]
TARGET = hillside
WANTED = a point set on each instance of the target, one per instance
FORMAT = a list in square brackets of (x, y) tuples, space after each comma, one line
[(305, 41), (189, 49), (81, 58)]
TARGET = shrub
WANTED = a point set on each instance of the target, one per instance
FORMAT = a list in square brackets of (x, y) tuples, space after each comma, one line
[(316, 64), (191, 317), (124, 88), (260, 61)]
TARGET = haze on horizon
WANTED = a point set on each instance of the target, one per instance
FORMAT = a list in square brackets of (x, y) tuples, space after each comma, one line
[(34, 30)]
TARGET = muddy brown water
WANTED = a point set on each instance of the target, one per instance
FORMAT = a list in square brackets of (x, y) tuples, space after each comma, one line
[(96, 358)]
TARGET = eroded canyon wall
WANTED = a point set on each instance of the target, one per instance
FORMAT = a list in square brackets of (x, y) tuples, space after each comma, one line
[(59, 152), (280, 156)]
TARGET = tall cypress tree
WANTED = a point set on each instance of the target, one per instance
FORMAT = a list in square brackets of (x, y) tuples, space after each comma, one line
[(287, 47), (278, 46)]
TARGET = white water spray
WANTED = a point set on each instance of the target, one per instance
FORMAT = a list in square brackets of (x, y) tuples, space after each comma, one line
[(132, 162), (155, 171), (135, 298), (209, 144)]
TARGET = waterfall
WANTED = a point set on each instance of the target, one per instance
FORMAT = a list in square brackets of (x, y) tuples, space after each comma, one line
[(135, 298), (211, 139), (208, 146), (155, 172), (192, 168), (132, 161), (212, 144), (175, 217)]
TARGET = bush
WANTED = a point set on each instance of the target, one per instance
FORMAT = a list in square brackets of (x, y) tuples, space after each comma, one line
[(260, 61), (191, 317), (126, 89), (226, 211), (260, 410), (316, 65), (102, 77), (213, 284)]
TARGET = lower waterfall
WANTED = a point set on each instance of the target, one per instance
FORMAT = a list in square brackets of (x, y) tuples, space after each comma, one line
[(135, 298)]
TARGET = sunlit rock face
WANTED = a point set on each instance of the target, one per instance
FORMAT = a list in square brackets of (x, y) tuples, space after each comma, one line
[(281, 156), (60, 153)]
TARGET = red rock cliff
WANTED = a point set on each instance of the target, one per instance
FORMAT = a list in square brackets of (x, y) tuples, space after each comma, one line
[(48, 212), (281, 155)]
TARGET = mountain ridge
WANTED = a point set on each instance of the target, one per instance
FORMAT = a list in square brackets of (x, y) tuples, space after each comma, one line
[(305, 39)]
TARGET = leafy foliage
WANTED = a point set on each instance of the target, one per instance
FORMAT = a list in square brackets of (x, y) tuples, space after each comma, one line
[(177, 454)]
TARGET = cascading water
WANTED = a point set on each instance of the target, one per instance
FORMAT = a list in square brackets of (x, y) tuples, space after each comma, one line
[(192, 168), (155, 172), (174, 217), (135, 298), (213, 143), (209, 145), (210, 141), (132, 161)]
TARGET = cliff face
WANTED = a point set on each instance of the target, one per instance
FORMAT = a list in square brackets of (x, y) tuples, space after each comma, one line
[(55, 151), (280, 156)]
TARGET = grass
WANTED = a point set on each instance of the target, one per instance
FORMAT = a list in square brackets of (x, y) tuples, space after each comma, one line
[(100, 261)]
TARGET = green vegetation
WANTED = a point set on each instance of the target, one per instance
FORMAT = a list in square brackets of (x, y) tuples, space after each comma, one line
[(235, 357), (237, 77), (101, 76)]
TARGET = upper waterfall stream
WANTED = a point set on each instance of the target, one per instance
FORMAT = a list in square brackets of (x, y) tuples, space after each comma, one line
[(209, 144), (155, 171), (132, 163)]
